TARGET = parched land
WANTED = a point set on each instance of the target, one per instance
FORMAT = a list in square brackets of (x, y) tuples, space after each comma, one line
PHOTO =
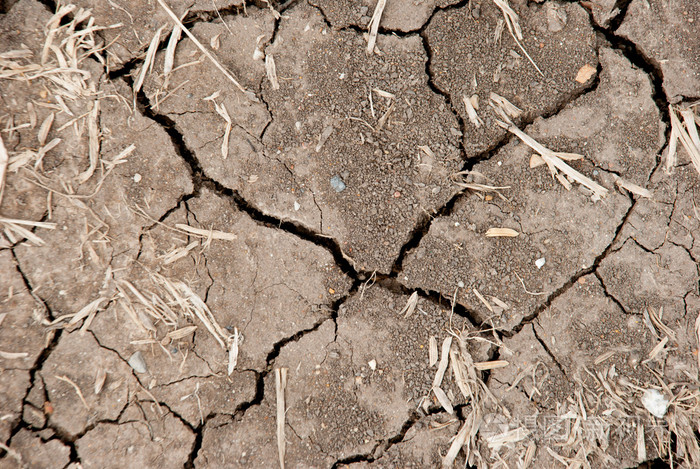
[(333, 233)]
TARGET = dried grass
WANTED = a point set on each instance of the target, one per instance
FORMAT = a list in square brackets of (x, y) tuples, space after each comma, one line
[(410, 307), (373, 26), (511, 20), (556, 164), (77, 389), (271, 71), (687, 134), (204, 50), (280, 386)]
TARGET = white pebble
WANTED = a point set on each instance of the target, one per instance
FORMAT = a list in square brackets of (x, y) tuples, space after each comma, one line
[(540, 262), (137, 362), (137, 177), (655, 402)]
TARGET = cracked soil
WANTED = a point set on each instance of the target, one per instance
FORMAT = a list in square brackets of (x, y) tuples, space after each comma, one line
[(300, 217)]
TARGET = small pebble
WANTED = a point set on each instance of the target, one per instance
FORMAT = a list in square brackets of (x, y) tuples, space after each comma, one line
[(137, 177), (137, 362), (540, 262), (337, 184)]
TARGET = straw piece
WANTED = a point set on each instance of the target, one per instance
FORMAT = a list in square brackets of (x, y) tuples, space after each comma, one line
[(281, 384), (93, 142), (327, 131), (482, 299), (100, 378), (481, 366), (170, 50), (4, 161), (633, 188), (511, 19), (271, 71), (456, 445), (213, 234), (471, 111), (689, 138), (529, 454), (555, 163), (444, 359), (374, 26), (206, 52), (233, 351), (697, 336), (443, 400), (510, 109), (45, 128), (432, 351), (410, 305), (13, 355), (501, 233), (77, 389), (148, 61)]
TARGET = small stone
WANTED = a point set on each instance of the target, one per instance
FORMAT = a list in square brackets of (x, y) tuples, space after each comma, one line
[(540, 262), (137, 177), (337, 184), (137, 362), (655, 402)]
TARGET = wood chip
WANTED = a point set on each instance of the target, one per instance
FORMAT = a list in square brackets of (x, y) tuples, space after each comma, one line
[(501, 233), (281, 385), (641, 444), (585, 73)]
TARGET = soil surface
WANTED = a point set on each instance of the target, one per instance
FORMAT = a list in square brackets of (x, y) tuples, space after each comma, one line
[(293, 262)]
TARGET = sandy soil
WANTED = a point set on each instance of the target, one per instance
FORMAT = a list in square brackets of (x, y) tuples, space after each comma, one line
[(174, 241)]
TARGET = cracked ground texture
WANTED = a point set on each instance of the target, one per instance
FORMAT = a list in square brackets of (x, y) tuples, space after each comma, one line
[(336, 203)]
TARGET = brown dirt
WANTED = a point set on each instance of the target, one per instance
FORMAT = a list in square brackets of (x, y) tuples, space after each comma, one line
[(338, 198)]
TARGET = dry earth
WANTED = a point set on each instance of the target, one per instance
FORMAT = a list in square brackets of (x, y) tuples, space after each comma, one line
[(193, 271)]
